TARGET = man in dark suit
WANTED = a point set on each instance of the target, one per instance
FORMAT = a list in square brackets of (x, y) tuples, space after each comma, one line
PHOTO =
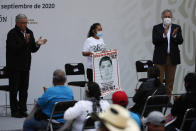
[(20, 44), (166, 37)]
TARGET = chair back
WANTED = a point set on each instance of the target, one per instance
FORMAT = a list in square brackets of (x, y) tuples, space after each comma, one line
[(143, 65), (189, 115), (141, 70), (155, 102), (76, 76), (4, 76), (59, 108), (62, 106), (89, 123), (74, 69)]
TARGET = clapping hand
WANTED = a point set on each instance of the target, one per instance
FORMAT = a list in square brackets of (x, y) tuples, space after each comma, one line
[(175, 31), (41, 41), (27, 37)]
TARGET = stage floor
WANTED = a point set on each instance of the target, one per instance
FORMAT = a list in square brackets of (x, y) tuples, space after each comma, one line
[(11, 124), (8, 123)]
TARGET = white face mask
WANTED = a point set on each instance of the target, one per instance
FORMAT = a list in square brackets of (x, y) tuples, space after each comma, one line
[(167, 21)]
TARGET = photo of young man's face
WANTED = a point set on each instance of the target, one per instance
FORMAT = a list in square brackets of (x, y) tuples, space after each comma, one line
[(106, 69)]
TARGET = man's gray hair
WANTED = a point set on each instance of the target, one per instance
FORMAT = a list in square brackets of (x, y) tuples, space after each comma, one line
[(59, 76), (20, 16), (166, 10)]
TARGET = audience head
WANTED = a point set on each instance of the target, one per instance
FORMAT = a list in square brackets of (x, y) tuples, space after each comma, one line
[(192, 84), (166, 16), (59, 77), (21, 21), (187, 80), (117, 118), (93, 90), (155, 121), (95, 30), (120, 98), (153, 72)]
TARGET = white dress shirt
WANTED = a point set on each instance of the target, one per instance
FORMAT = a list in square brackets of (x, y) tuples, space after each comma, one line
[(168, 38)]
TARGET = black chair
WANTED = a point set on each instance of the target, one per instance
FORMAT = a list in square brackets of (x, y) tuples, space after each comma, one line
[(3, 76), (155, 103), (76, 70), (189, 115), (59, 108), (141, 70)]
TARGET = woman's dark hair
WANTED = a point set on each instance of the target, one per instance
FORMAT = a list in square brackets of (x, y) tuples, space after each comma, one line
[(94, 93), (105, 58), (154, 72), (92, 28)]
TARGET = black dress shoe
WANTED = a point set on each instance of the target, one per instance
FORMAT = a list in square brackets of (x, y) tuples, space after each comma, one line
[(24, 114), (17, 115)]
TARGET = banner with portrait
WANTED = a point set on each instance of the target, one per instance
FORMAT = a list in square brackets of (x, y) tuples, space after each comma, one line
[(106, 71)]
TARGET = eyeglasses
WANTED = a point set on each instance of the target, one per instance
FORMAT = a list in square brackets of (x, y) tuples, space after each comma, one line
[(167, 17), (23, 22)]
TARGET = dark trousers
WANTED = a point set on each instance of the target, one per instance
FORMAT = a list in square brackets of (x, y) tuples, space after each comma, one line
[(18, 82), (89, 74)]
